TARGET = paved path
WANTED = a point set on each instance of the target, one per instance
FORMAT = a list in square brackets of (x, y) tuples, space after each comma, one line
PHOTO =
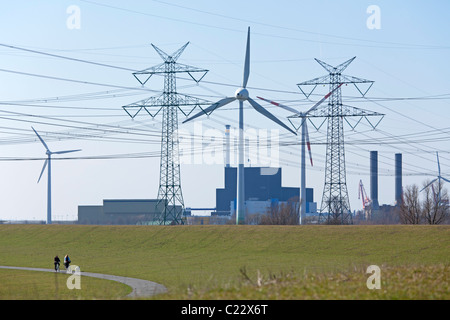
[(140, 288)]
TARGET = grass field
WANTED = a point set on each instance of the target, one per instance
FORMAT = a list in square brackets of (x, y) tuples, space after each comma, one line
[(18, 284), (232, 262)]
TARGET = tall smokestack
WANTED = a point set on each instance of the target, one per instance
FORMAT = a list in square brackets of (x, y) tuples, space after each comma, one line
[(227, 146), (398, 179), (374, 179)]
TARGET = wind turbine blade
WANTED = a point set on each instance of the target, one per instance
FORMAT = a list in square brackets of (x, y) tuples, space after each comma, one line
[(308, 144), (432, 181), (211, 108), (266, 113), (66, 151), (43, 169), (296, 111), (439, 166), (445, 179), (280, 105), (43, 142), (247, 61), (323, 99)]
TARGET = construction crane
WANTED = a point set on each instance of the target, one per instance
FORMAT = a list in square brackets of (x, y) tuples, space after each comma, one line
[(366, 202)]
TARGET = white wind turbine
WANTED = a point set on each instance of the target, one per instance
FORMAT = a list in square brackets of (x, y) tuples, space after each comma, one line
[(439, 177), (305, 142), (241, 95), (49, 183)]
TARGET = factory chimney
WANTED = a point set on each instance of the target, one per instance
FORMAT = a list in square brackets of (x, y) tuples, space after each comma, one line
[(398, 179), (227, 146), (374, 179)]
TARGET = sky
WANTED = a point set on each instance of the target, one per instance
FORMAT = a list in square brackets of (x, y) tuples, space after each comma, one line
[(66, 70)]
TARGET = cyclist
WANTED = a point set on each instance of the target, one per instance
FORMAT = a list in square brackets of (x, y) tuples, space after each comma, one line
[(67, 261), (56, 262)]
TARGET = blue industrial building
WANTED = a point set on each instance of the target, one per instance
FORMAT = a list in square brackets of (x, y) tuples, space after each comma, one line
[(263, 186)]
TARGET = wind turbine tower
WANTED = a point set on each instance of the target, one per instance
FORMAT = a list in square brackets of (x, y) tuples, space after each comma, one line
[(305, 142), (241, 95), (48, 162)]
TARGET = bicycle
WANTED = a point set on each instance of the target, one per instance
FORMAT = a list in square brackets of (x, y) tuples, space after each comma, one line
[(57, 267)]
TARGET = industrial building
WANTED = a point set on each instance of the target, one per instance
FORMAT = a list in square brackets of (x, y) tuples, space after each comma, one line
[(263, 189), (121, 211)]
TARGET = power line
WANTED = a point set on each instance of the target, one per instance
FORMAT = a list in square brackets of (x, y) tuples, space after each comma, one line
[(442, 96), (374, 43), (66, 58)]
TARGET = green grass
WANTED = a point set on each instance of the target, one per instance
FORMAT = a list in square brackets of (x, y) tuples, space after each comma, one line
[(407, 283), (32, 285), (208, 261)]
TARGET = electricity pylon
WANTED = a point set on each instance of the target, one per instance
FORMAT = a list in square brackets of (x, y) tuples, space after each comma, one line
[(305, 142), (335, 207), (170, 205)]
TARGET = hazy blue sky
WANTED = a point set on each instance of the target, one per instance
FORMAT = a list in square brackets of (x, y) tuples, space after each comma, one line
[(407, 57)]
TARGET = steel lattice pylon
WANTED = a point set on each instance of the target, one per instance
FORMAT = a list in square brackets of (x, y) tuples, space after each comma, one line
[(170, 204), (335, 194), (335, 207)]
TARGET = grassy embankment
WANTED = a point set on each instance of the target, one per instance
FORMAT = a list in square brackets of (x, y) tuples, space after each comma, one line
[(231, 262)]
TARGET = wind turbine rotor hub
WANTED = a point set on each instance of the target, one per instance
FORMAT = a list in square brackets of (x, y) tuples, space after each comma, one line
[(241, 94)]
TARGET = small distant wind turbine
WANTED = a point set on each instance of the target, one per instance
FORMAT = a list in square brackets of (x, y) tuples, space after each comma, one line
[(439, 177), (241, 95), (49, 183), (305, 142)]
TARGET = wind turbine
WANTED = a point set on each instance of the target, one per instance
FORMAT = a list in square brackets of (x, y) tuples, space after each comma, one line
[(49, 183), (305, 142), (439, 177), (241, 95)]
